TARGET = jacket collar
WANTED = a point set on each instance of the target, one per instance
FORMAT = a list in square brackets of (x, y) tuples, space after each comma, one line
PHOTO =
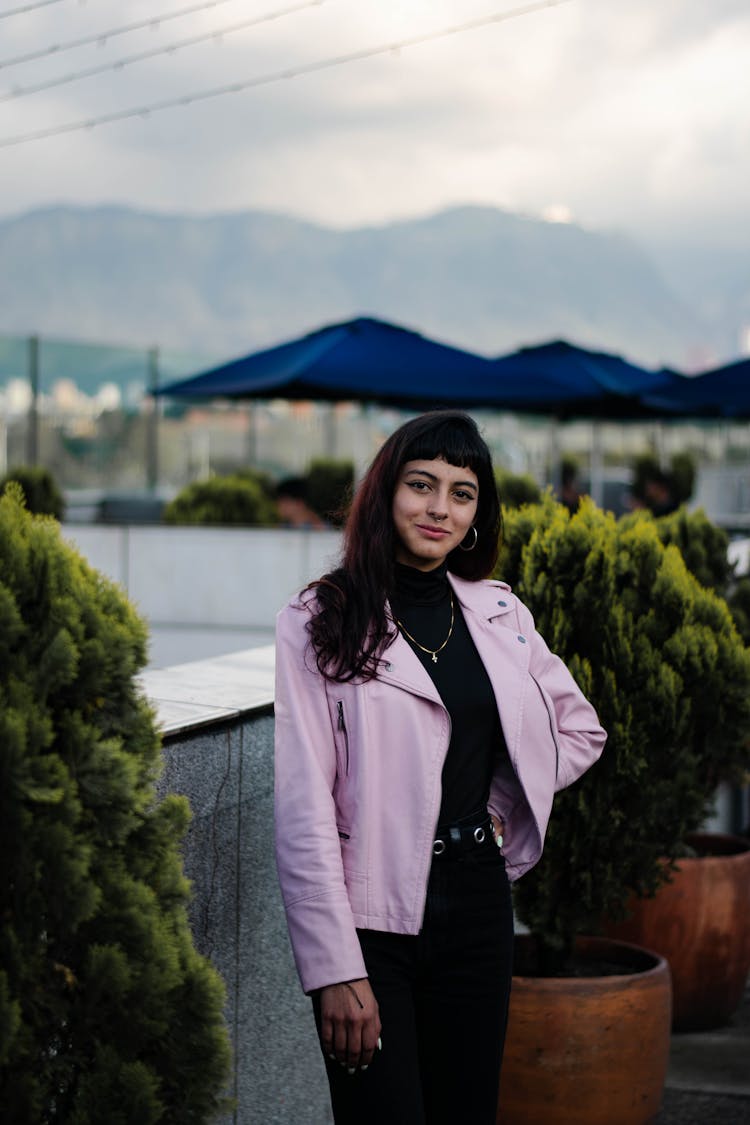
[(402, 667), (487, 599)]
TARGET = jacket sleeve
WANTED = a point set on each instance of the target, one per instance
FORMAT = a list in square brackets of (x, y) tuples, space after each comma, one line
[(579, 736), (308, 855)]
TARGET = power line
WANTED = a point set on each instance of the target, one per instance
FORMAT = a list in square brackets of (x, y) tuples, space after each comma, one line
[(278, 76), (102, 36), (167, 49), (27, 8)]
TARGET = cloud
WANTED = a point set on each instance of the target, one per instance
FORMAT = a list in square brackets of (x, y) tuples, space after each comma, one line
[(629, 115)]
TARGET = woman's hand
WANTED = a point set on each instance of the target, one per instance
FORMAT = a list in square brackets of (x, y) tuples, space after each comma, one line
[(498, 829), (349, 1023)]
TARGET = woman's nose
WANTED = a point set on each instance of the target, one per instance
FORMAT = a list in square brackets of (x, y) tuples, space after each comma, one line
[(438, 508)]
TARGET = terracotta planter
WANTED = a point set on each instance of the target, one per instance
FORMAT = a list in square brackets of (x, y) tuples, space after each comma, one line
[(588, 1050), (701, 923)]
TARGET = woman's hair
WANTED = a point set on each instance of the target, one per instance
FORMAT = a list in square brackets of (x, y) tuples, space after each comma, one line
[(350, 628)]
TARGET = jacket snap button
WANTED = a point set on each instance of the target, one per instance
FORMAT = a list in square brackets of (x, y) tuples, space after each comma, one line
[(502, 603), (522, 639)]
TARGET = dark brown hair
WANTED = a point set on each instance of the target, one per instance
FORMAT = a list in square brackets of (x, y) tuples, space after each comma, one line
[(350, 628)]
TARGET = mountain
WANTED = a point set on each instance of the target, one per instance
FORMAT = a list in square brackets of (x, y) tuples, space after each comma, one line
[(221, 285)]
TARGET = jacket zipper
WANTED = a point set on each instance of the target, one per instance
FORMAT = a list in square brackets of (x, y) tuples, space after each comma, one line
[(345, 732)]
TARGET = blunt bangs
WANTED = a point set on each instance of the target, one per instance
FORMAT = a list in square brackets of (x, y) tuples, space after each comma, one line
[(453, 438)]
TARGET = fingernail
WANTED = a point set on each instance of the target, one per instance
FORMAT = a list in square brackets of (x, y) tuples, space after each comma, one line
[(332, 1058), (380, 1044), (351, 1070), (499, 840), (364, 1067)]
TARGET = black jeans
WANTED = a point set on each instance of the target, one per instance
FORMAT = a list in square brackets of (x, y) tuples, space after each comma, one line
[(443, 999)]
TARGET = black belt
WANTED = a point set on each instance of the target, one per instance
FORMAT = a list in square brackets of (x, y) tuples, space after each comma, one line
[(459, 838)]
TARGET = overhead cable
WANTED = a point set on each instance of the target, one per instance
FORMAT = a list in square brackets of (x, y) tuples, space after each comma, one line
[(101, 37), (166, 49), (277, 76), (27, 8)]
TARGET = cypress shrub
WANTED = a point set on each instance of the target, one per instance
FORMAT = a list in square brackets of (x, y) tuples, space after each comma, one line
[(739, 603), (238, 499), (660, 658), (516, 489), (107, 1011), (43, 497), (702, 544)]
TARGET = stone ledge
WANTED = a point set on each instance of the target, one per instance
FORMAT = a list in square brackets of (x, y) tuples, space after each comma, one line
[(205, 692)]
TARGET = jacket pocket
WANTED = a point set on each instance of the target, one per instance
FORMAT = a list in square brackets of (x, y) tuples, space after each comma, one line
[(342, 728)]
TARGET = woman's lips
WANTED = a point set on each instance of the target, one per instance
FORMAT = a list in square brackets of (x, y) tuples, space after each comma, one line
[(432, 532)]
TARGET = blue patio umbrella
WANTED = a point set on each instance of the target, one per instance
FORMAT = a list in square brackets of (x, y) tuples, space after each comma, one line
[(363, 359), (566, 380), (371, 360), (721, 393)]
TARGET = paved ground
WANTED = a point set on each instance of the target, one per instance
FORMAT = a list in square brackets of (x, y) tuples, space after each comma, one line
[(709, 1075)]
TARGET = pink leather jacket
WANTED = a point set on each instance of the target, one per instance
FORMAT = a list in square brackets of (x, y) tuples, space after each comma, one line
[(358, 775)]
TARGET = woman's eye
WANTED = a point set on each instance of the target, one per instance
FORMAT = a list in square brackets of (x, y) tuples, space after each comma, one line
[(418, 485), (461, 495)]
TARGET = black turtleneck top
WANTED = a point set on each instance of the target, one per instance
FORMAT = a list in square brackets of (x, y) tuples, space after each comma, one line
[(421, 604)]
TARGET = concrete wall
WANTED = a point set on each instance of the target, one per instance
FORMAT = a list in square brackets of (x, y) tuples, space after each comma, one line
[(724, 493), (218, 751), (204, 590)]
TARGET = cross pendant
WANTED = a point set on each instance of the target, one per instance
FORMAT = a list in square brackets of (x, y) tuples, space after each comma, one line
[(434, 658)]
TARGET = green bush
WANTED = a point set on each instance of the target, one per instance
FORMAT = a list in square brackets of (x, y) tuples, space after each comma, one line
[(682, 473), (702, 545), (659, 657), (330, 485), (237, 499), (517, 489), (43, 497), (107, 1011), (739, 603)]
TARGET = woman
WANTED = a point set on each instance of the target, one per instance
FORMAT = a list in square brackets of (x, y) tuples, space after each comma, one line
[(422, 728)]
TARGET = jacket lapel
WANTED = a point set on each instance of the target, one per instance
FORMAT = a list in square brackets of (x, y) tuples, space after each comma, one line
[(403, 668), (488, 613)]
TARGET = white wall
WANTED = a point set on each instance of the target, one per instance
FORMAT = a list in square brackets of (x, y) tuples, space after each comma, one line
[(206, 591)]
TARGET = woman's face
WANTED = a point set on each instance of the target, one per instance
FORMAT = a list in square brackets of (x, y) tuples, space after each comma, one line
[(434, 506)]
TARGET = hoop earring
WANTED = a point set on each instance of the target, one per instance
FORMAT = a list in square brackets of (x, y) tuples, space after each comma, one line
[(476, 540)]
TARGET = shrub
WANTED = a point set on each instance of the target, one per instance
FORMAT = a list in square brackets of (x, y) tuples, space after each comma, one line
[(659, 657), (704, 547), (107, 1011), (739, 603), (43, 497), (517, 489), (682, 473), (235, 499), (329, 488)]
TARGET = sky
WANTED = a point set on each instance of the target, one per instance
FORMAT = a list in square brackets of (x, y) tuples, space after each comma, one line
[(617, 114)]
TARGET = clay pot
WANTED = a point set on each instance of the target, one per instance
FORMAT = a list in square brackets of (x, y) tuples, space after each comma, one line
[(700, 922), (588, 1050)]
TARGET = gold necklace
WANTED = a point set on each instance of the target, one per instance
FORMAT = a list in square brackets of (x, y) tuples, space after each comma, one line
[(433, 652)]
